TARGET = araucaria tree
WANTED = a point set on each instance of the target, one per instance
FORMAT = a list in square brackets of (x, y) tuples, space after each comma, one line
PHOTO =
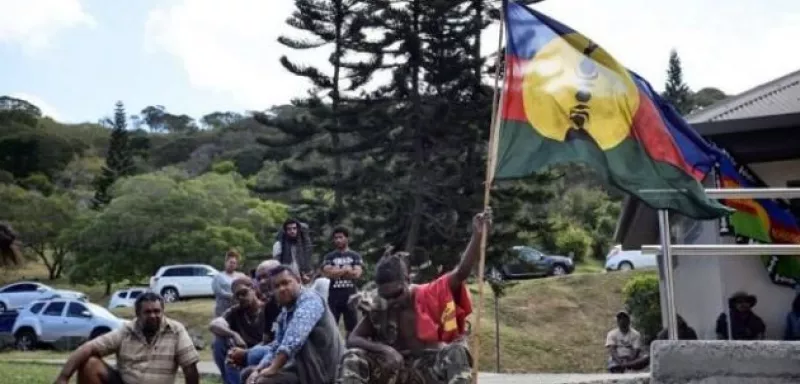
[(676, 91), (119, 159)]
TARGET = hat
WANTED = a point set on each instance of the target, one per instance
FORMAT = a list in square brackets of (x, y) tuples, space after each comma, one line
[(743, 296), (623, 314)]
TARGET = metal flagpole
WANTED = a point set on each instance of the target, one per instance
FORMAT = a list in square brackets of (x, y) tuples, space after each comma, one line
[(669, 282)]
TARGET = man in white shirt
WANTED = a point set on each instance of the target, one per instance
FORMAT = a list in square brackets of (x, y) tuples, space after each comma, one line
[(624, 346)]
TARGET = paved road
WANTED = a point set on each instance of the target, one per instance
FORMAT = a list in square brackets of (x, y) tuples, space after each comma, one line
[(208, 368)]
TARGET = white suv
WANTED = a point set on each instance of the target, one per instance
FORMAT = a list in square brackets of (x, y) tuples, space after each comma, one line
[(182, 281)]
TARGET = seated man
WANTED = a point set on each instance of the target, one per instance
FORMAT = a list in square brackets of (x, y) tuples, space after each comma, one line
[(135, 346), (685, 332), (414, 334), (241, 325), (241, 357), (624, 346), (307, 345), (745, 324)]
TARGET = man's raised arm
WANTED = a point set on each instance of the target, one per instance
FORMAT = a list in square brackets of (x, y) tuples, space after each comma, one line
[(472, 253)]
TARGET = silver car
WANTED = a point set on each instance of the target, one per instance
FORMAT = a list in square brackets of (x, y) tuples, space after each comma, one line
[(49, 321), (17, 295)]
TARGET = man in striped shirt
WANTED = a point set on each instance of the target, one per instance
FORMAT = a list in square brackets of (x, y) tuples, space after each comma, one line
[(148, 350)]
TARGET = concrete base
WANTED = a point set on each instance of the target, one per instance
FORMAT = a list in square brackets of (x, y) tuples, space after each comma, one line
[(725, 362)]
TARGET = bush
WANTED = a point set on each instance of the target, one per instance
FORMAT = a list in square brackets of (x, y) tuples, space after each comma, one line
[(574, 240), (224, 167), (643, 302)]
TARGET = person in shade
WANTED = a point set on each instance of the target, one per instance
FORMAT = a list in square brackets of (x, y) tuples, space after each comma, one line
[(221, 284), (241, 326), (685, 332), (745, 324), (414, 334), (135, 346), (295, 248), (307, 345), (791, 332), (343, 267)]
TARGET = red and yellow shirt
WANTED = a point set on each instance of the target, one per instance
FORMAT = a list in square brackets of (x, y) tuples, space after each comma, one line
[(439, 319)]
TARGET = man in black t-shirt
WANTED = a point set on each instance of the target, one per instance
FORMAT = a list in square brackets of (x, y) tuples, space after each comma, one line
[(240, 326), (343, 267)]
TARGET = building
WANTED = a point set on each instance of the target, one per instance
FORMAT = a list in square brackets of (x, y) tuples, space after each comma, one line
[(760, 128)]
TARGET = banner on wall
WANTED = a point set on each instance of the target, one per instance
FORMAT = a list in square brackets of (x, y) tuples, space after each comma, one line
[(765, 221)]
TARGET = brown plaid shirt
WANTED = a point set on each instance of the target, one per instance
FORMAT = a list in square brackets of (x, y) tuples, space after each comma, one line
[(156, 362)]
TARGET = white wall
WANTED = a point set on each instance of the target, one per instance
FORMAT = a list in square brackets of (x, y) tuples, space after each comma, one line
[(703, 284)]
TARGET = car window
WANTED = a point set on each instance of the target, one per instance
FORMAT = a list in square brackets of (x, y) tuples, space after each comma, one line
[(530, 255), (55, 308), (36, 308), (122, 294), (24, 287), (76, 310), (179, 272), (135, 294), (201, 271)]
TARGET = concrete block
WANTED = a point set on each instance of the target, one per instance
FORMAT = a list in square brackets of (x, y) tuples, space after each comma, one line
[(728, 362)]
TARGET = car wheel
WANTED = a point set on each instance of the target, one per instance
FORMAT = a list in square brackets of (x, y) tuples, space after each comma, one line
[(170, 295), (97, 332), (3, 308), (25, 340), (625, 266), (559, 270)]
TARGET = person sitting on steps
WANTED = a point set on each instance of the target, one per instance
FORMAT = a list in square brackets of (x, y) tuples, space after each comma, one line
[(624, 346), (414, 334), (148, 350)]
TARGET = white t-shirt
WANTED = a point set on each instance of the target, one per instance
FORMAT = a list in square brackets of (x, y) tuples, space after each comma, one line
[(626, 344)]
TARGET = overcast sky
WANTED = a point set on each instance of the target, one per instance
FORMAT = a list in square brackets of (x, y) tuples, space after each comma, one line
[(75, 58)]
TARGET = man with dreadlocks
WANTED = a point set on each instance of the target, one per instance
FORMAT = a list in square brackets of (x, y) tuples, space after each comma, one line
[(9, 252), (430, 346)]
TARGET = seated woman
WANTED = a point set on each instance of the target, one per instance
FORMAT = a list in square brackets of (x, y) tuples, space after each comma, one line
[(745, 324)]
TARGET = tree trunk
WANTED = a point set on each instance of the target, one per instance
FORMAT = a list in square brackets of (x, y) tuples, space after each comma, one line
[(338, 206), (497, 332), (418, 137), (108, 289)]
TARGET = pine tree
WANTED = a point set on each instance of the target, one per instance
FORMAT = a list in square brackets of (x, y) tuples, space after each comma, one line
[(317, 131), (676, 91), (119, 159)]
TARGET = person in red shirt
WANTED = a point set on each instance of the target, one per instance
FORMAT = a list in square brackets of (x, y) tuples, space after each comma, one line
[(414, 334)]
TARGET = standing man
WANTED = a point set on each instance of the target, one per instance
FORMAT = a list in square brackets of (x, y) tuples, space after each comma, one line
[(343, 267), (148, 350), (294, 248), (414, 334)]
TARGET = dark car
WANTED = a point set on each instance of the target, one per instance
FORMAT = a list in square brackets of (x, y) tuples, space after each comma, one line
[(528, 262)]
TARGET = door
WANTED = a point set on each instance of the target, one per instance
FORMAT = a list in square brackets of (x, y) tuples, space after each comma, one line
[(52, 321), (203, 278), (77, 321), (534, 262)]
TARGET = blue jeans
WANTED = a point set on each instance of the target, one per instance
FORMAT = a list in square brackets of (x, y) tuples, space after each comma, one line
[(231, 375)]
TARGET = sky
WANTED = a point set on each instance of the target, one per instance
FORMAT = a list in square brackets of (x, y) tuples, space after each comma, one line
[(75, 58)]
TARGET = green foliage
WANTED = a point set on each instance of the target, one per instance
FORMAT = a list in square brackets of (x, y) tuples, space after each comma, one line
[(6, 177), (119, 158), (223, 167), (574, 241), (40, 222), (643, 302), (37, 182), (707, 96), (676, 91), (591, 211), (166, 217)]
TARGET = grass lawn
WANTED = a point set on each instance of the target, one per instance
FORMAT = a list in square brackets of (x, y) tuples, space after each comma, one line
[(546, 325), (45, 374)]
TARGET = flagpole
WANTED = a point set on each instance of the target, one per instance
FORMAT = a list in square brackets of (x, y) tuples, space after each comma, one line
[(491, 158)]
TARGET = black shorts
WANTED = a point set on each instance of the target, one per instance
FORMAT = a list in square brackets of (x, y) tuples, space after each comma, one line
[(112, 374)]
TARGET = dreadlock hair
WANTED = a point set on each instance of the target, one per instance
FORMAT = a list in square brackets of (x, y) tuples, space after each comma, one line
[(9, 252), (391, 267)]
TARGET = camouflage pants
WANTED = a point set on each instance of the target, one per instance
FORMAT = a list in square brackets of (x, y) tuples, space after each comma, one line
[(450, 365)]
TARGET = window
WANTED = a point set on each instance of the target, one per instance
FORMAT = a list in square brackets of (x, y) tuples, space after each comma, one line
[(24, 287), (76, 310), (122, 294), (530, 255), (54, 309), (36, 308), (135, 294), (201, 271), (179, 271)]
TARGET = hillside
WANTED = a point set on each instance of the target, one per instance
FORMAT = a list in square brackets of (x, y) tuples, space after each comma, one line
[(547, 325)]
